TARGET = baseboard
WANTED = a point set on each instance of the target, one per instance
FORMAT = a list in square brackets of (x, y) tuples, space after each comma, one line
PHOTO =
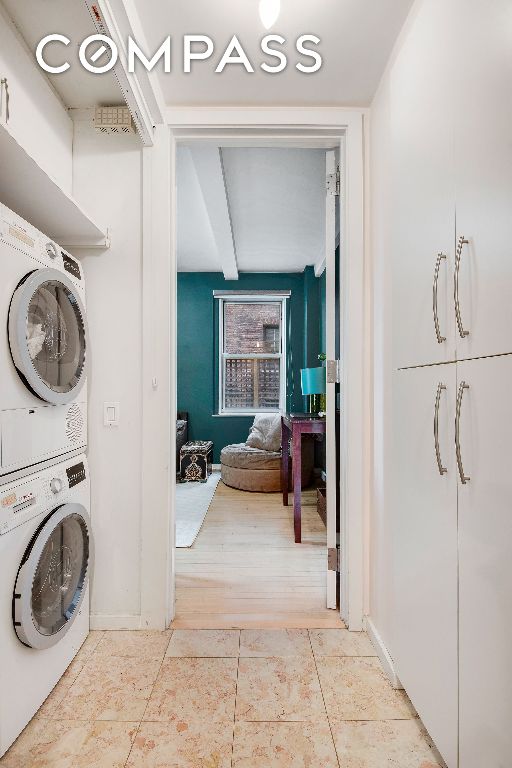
[(103, 621), (216, 467), (383, 653)]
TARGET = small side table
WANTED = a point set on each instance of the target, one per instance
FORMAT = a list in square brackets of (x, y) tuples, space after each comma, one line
[(294, 425)]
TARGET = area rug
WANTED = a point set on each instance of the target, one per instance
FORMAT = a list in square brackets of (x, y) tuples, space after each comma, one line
[(192, 503)]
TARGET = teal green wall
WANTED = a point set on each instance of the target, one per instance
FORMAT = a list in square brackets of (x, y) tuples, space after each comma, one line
[(198, 338)]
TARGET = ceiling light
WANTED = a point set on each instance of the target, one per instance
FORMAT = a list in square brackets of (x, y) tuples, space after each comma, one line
[(269, 12)]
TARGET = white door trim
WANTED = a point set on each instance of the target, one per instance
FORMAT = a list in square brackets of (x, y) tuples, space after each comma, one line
[(295, 126)]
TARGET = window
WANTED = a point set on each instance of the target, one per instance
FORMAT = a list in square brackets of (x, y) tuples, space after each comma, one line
[(252, 361)]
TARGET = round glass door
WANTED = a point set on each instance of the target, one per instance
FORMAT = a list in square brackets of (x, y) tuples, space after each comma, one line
[(48, 336), (53, 578), (60, 575)]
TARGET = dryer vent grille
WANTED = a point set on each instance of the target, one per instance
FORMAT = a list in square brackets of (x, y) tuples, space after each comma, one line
[(74, 423), (113, 120)]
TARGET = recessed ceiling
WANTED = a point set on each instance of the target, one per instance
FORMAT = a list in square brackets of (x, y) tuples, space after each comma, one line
[(357, 37), (76, 87), (275, 205)]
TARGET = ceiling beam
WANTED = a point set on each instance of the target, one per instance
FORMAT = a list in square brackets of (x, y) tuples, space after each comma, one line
[(118, 19), (210, 173)]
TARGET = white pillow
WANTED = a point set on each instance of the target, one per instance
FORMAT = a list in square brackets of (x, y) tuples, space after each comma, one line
[(265, 432)]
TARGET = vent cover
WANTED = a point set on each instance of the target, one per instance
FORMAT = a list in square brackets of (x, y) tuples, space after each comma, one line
[(113, 120), (74, 423)]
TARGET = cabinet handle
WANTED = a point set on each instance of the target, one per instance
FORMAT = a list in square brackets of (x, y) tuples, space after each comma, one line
[(458, 255), (460, 465), (5, 84), (440, 338), (442, 470)]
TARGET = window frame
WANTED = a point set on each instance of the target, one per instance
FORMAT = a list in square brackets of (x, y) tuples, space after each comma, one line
[(252, 298)]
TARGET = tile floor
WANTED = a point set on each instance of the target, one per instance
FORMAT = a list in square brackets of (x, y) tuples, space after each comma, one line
[(224, 699)]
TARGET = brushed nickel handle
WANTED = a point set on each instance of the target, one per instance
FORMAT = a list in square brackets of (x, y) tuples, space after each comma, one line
[(5, 84), (440, 337), (463, 478), (442, 470), (458, 256)]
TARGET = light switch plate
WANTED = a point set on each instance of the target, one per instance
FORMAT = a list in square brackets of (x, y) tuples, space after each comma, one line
[(111, 413)]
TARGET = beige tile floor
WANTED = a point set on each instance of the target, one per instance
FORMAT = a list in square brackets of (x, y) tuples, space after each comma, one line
[(224, 699)]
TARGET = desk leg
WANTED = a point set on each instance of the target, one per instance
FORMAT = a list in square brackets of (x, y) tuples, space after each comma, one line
[(285, 462), (297, 483)]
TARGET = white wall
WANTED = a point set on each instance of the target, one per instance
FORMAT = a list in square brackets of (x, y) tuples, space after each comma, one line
[(38, 119), (108, 182)]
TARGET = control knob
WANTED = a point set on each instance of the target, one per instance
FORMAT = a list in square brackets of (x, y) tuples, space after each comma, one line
[(56, 485)]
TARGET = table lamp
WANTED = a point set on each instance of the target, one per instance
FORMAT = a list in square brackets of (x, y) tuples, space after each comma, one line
[(313, 383)]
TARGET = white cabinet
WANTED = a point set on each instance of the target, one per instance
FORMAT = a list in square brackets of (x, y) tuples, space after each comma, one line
[(422, 191), (485, 563), (425, 549), (483, 172), (38, 121)]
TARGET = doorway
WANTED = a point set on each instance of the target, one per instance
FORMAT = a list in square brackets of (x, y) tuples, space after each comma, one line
[(291, 128), (252, 293)]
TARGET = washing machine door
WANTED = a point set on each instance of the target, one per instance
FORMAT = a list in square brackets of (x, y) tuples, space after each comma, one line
[(48, 336), (53, 577)]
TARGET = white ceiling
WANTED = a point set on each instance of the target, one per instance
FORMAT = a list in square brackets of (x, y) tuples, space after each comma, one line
[(37, 18), (357, 38), (276, 201)]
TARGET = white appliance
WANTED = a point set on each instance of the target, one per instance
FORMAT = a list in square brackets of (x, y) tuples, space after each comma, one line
[(46, 555), (43, 353)]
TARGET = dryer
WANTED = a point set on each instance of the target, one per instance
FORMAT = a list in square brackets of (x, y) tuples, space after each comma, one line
[(43, 351), (46, 555)]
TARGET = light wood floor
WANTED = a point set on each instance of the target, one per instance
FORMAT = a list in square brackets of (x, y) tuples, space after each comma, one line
[(245, 570)]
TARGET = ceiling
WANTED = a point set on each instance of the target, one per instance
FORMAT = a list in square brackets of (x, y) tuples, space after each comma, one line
[(76, 87), (357, 37), (275, 209)]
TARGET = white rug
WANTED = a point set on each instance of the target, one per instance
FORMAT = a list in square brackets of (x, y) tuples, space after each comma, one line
[(192, 503)]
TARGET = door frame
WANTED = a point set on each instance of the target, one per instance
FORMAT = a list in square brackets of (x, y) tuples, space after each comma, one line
[(294, 126)]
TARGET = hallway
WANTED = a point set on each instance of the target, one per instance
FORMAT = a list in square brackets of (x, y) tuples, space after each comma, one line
[(224, 699)]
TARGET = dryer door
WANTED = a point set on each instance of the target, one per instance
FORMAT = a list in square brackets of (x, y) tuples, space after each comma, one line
[(53, 576), (48, 336)]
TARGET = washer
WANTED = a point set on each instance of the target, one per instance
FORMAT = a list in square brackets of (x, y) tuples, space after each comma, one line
[(46, 556), (43, 354)]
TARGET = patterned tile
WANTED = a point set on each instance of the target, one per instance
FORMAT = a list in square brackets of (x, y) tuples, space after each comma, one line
[(204, 643), (110, 688), (383, 744), (274, 642), (278, 689), (72, 744), (357, 689), (137, 644), (340, 642), (284, 745), (182, 745), (194, 690)]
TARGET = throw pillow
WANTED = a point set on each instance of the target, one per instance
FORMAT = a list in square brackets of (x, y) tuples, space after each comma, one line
[(265, 432)]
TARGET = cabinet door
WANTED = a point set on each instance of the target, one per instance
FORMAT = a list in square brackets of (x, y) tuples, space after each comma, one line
[(425, 550), (485, 563), (483, 162), (422, 225)]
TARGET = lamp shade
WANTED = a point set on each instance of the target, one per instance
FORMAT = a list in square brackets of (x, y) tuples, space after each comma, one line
[(313, 381)]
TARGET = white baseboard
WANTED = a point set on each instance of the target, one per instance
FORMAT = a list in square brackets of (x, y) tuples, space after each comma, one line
[(103, 621), (216, 467), (383, 654)]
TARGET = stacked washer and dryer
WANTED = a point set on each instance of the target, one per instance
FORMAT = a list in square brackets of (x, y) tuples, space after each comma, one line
[(45, 530)]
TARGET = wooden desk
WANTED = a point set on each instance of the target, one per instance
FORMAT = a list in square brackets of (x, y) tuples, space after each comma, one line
[(294, 425)]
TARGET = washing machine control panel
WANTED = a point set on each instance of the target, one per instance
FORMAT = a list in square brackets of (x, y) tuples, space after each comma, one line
[(20, 503)]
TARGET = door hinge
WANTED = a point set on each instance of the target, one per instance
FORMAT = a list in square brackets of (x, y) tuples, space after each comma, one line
[(333, 371), (334, 183), (334, 559)]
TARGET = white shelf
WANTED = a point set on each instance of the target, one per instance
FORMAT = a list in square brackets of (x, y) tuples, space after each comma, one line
[(32, 194)]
